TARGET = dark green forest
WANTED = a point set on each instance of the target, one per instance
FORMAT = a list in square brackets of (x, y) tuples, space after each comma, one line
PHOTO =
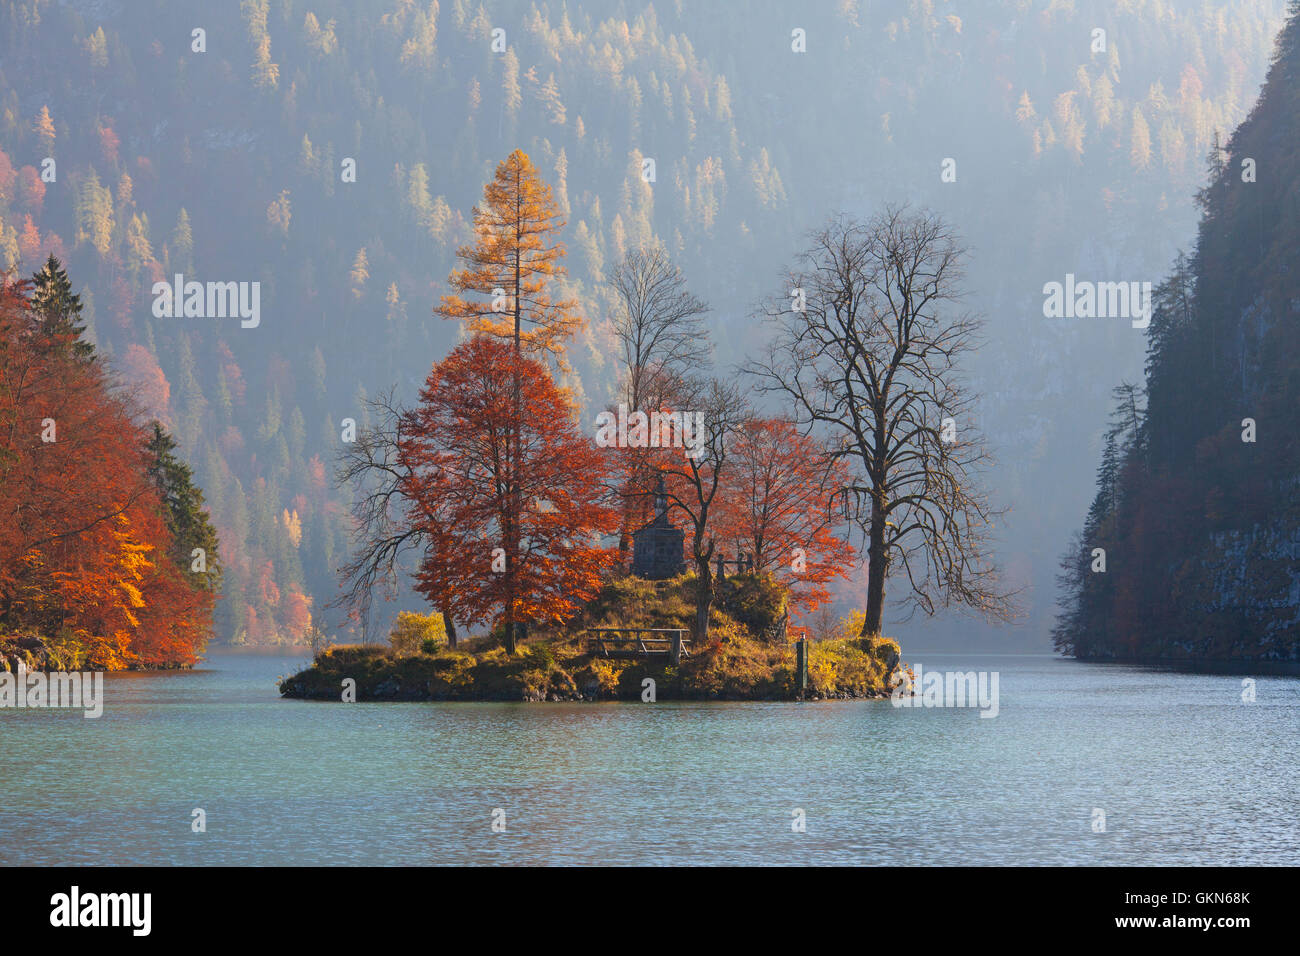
[(1198, 492)]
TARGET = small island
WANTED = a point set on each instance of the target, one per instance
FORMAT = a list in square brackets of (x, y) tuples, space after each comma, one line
[(665, 556), (749, 655)]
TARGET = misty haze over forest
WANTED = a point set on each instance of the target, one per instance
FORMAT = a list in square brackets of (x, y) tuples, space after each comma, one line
[(1048, 158)]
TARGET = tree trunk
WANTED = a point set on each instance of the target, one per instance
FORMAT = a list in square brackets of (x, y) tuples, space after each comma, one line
[(625, 537), (703, 599), (875, 576), (449, 626), (633, 512), (516, 423)]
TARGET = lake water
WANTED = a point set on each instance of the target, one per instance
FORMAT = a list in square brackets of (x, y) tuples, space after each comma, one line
[(1184, 771)]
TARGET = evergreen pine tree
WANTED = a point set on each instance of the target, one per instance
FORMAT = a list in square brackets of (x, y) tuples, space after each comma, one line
[(187, 519), (59, 311)]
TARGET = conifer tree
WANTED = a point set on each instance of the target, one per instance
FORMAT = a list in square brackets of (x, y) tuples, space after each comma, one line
[(517, 251), (511, 264), (187, 520), (59, 311)]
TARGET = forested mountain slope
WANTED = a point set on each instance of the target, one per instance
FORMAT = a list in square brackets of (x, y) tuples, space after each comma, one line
[(225, 160), (1198, 498)]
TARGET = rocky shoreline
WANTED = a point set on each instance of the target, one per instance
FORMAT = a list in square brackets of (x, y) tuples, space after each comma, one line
[(392, 689), (28, 650), (561, 672)]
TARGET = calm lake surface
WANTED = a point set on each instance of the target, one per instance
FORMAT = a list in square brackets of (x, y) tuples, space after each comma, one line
[(1185, 772)]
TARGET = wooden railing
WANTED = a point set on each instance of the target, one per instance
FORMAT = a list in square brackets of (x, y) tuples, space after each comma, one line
[(669, 642)]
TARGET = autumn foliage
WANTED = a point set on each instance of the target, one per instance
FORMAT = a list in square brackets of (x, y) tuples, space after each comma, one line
[(776, 509), (491, 481), (85, 547), (512, 531), (512, 263)]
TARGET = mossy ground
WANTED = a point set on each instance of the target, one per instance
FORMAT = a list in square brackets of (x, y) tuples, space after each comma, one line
[(737, 663)]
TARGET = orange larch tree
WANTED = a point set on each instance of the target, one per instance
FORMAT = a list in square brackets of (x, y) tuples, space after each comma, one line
[(508, 273), (504, 288)]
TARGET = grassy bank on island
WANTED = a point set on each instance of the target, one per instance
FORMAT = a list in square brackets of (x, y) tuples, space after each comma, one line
[(743, 658)]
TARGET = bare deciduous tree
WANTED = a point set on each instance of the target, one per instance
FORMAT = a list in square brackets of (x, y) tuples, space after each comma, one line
[(385, 527), (695, 479), (659, 328), (661, 335), (870, 336)]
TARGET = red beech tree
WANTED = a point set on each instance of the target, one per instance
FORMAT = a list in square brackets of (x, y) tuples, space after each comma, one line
[(511, 536), (776, 509), (85, 545)]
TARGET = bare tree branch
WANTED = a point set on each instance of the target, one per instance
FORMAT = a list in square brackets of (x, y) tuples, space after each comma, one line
[(659, 329), (869, 342)]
